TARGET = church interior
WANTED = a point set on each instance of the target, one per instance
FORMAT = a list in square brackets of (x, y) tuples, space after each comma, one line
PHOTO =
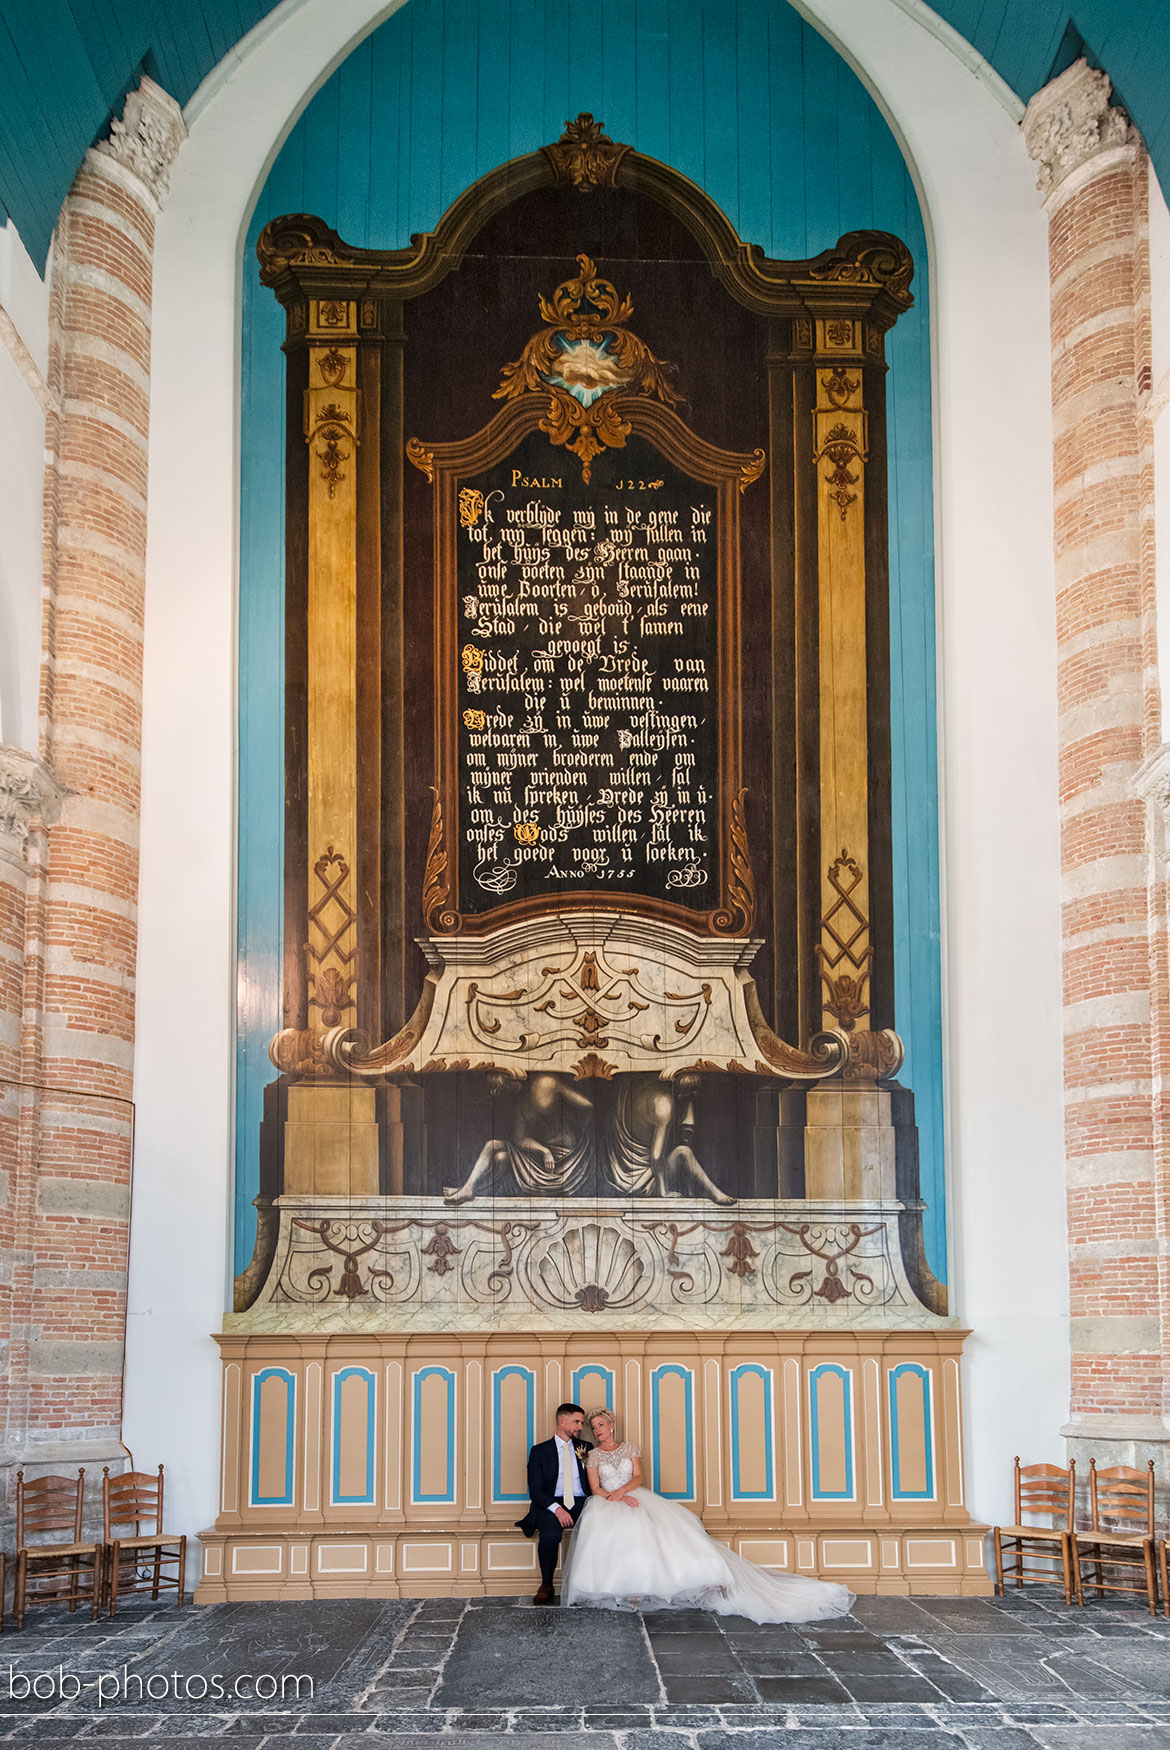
[(583, 804)]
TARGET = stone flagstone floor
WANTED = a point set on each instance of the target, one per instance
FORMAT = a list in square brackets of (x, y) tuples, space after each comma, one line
[(899, 1674)]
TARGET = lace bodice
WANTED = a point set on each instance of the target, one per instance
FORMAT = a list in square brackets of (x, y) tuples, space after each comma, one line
[(614, 1468)]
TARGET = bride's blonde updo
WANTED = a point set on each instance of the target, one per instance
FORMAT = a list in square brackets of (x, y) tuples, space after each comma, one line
[(602, 1415)]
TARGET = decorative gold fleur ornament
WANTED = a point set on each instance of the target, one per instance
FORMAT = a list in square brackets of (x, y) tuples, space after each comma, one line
[(585, 357)]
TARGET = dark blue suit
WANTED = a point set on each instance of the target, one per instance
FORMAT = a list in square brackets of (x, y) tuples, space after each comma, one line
[(544, 1476)]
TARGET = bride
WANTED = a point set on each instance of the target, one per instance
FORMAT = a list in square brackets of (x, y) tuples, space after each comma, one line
[(633, 1548)]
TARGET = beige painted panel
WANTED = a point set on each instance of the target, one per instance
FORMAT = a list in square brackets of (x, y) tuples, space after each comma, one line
[(871, 1401), (513, 1557), (258, 1559), (354, 1460), (426, 1558), (395, 1444), (213, 1561), (931, 1552), (468, 1558), (793, 1442), (751, 1402), (275, 1405), (342, 1558), (384, 1558), (473, 1420), (910, 1396), (298, 1559), (435, 1437), (847, 1552), (511, 1434), (767, 1552), (591, 1388), (674, 1433), (975, 1552), (314, 1375), (833, 1432), (232, 1455)]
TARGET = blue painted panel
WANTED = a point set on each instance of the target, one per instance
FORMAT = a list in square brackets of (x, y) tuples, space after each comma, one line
[(897, 1492), (657, 1375), (445, 1496), (816, 1374), (738, 1492), (756, 104), (366, 1496), (593, 1372), (285, 1498), (499, 1493)]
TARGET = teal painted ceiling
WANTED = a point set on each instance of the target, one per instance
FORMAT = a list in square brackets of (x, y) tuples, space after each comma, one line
[(65, 66)]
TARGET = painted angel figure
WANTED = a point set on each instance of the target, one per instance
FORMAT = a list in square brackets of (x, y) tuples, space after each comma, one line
[(550, 1152)]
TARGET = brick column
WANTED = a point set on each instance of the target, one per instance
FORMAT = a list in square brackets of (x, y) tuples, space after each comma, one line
[(69, 1204), (1092, 172)]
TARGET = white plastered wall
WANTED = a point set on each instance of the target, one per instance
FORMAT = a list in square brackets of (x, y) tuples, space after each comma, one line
[(24, 353), (996, 684)]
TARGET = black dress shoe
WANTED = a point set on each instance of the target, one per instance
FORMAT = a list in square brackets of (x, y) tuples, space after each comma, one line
[(545, 1596)]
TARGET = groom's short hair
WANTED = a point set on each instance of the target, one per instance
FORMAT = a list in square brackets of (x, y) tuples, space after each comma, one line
[(568, 1410)]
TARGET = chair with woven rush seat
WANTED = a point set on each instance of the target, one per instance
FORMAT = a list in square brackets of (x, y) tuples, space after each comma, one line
[(1120, 1534), (136, 1562), (1047, 1490), (44, 1506)]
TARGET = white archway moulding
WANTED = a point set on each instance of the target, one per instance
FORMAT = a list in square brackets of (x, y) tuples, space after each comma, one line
[(997, 683)]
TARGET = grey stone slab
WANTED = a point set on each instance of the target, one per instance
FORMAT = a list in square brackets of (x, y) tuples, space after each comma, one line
[(901, 1685), (830, 1738), (711, 1690), (955, 1683), (473, 1741), (556, 1657), (865, 1663), (769, 1664), (794, 1690), (856, 1640), (1144, 1668), (682, 1622), (661, 1740), (706, 1656), (1109, 1737), (998, 1738), (420, 1720), (889, 1615)]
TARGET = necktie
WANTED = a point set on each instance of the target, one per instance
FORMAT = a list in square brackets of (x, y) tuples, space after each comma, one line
[(568, 1492)]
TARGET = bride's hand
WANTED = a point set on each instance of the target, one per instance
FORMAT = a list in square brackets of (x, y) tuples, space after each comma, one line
[(630, 1500)]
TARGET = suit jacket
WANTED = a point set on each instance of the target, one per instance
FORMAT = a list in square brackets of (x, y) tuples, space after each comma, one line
[(544, 1475)]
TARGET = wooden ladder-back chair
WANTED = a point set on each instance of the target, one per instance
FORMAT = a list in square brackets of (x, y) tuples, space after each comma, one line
[(1047, 1490), (71, 1567), (1120, 1534), (135, 1562)]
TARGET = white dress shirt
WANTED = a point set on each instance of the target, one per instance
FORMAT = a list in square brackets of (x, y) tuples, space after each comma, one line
[(575, 1470)]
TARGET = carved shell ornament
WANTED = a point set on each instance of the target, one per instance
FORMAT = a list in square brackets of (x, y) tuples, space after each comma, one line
[(582, 358)]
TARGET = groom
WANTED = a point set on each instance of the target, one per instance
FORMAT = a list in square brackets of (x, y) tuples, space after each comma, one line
[(558, 1489)]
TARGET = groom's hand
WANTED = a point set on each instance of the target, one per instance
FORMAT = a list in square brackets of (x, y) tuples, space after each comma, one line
[(563, 1517)]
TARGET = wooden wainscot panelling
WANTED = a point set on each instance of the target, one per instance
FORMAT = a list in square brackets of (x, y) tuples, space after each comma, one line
[(394, 1466)]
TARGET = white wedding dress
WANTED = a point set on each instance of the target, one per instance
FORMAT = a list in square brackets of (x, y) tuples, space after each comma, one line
[(656, 1556)]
